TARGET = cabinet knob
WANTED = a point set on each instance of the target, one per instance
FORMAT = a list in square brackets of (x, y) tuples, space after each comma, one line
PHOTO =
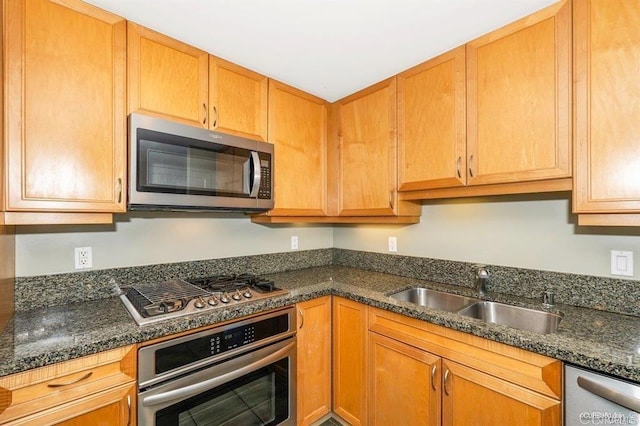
[(446, 382)]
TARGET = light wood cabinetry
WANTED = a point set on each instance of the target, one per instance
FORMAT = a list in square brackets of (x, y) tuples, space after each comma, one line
[(480, 382), (366, 154), (64, 112), (473, 397), (237, 100), (314, 359), (349, 360), (518, 113), (404, 384), (96, 389), (607, 87), (298, 130), (167, 77), (432, 142)]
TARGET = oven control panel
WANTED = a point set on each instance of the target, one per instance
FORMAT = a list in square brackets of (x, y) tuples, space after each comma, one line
[(218, 341)]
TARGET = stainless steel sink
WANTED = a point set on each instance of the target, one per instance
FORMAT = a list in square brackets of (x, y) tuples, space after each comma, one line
[(513, 316), (434, 299)]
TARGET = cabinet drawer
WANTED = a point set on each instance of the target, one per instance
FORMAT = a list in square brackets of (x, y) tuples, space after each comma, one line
[(37, 390), (533, 371)]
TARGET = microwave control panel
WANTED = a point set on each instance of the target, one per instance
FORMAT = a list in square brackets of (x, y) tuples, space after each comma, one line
[(264, 192)]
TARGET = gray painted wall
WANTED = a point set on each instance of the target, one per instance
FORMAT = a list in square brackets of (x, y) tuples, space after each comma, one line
[(536, 231)]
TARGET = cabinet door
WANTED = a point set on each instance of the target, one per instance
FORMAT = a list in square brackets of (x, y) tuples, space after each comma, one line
[(349, 360), (474, 398), (607, 53), (109, 408), (314, 359), (519, 100), (367, 151), (404, 384), (432, 140), (298, 129), (166, 77), (237, 100), (65, 117)]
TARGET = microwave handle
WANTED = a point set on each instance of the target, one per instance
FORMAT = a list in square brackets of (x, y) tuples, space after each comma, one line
[(255, 179)]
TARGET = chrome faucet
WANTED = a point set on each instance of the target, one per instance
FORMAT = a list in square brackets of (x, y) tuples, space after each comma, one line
[(482, 277)]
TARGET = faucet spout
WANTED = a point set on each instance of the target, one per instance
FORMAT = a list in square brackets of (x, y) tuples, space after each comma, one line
[(482, 277)]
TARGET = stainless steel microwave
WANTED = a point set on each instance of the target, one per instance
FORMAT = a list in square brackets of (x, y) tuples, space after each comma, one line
[(174, 166)]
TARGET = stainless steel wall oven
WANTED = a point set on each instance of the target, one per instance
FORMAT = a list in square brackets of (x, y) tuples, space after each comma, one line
[(243, 373)]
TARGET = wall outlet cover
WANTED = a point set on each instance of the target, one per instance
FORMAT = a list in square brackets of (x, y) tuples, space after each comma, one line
[(294, 242), (622, 263), (393, 245), (83, 257)]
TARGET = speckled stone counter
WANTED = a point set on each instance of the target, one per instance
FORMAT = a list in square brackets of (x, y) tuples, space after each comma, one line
[(602, 341)]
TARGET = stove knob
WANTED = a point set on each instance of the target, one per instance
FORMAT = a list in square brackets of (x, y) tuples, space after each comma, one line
[(199, 303), (237, 296), (225, 298), (213, 301), (247, 293)]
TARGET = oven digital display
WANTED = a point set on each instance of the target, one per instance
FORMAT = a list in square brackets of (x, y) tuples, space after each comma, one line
[(191, 351)]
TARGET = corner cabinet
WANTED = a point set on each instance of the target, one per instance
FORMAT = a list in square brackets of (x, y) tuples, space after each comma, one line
[(64, 112), (298, 131), (366, 156), (607, 87), (314, 360), (96, 389)]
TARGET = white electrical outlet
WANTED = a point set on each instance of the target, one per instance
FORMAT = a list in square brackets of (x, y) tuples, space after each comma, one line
[(622, 263), (83, 257), (393, 244), (294, 242)]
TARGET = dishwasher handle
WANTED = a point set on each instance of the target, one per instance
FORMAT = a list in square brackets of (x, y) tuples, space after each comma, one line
[(609, 394)]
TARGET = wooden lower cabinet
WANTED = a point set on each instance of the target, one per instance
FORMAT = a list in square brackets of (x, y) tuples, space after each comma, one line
[(404, 384), (95, 390), (349, 361), (314, 360), (471, 397)]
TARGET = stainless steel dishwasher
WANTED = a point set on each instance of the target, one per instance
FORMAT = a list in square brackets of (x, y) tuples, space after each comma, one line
[(595, 399)]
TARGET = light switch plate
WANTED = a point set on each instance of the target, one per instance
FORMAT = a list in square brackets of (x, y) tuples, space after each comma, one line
[(622, 263), (393, 245)]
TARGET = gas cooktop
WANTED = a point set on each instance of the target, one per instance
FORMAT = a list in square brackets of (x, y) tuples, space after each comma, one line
[(152, 302)]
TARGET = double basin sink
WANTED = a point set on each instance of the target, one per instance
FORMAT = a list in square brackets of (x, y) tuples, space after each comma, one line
[(499, 313)]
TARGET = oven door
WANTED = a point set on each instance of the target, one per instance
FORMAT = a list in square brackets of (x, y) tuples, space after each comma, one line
[(258, 388)]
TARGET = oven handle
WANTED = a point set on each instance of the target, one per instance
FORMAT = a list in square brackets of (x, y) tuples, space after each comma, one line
[(191, 390), (255, 160)]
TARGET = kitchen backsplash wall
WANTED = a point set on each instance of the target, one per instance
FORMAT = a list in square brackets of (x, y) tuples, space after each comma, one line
[(532, 232), (156, 238), (60, 289)]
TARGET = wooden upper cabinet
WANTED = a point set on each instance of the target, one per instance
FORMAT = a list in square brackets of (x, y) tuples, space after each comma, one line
[(65, 118), (166, 77), (237, 100), (607, 54), (367, 151), (519, 100), (431, 123), (298, 130)]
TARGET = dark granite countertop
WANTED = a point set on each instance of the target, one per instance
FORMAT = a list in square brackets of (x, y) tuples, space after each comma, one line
[(602, 341)]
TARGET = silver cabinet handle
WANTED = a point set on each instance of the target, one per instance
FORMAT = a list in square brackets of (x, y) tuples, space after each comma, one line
[(204, 106), (446, 381), (187, 391), (301, 318), (128, 410), (255, 159), (215, 116), (458, 164), (609, 394), (433, 377), (471, 164), (73, 382), (119, 190)]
